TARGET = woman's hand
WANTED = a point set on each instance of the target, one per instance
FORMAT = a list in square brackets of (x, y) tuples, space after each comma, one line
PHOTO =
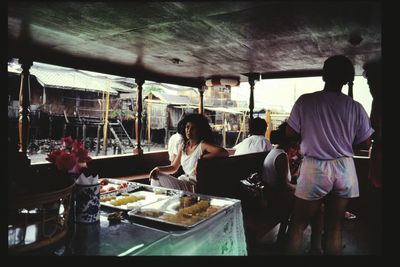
[(154, 173)]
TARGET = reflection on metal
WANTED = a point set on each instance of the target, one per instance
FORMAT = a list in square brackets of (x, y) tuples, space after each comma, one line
[(130, 250)]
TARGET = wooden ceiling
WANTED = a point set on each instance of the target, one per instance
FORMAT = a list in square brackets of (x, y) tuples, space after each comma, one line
[(187, 42)]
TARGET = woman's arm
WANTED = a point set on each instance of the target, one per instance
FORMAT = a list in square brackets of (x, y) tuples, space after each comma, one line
[(210, 151), (281, 167), (173, 167)]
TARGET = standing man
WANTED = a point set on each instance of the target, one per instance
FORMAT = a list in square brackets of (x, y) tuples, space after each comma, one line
[(330, 124)]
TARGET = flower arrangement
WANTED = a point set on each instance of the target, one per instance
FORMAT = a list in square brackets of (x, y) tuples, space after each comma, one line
[(72, 157)]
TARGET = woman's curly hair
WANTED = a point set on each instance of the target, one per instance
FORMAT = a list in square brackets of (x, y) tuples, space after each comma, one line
[(203, 128)]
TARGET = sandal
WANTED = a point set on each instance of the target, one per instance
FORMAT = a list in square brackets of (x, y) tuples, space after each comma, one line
[(349, 216)]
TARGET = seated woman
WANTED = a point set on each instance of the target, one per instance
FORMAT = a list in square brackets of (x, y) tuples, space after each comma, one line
[(279, 188), (276, 171), (198, 143)]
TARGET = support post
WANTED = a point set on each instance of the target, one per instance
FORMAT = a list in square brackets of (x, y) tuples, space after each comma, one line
[(98, 139), (269, 124), (251, 100), (105, 127), (84, 135), (138, 123), (24, 106), (201, 98)]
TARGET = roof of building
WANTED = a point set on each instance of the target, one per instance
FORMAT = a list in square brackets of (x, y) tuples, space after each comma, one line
[(171, 99), (67, 78)]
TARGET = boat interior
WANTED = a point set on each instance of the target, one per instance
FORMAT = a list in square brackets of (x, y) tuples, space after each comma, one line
[(188, 43)]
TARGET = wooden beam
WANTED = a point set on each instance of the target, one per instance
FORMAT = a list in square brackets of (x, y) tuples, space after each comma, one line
[(291, 74)]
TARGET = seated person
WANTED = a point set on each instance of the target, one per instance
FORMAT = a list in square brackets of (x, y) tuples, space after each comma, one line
[(198, 143), (175, 141), (276, 170), (277, 178), (256, 142)]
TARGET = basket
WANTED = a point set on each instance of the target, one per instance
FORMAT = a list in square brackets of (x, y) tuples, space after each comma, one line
[(38, 220)]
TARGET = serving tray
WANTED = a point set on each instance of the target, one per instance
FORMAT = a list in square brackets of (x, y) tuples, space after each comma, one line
[(185, 211), (129, 201), (115, 186)]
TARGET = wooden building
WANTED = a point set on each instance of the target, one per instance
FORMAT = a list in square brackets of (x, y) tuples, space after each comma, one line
[(63, 99)]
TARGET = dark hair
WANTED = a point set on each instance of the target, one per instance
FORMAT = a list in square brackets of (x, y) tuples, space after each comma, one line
[(279, 137), (258, 126), (338, 69), (204, 131), (180, 127)]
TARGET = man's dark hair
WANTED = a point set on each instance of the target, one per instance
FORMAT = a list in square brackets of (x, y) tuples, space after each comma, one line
[(258, 126), (338, 69), (279, 137)]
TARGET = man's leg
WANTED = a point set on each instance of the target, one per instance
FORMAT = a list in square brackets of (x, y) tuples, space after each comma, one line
[(335, 208), (303, 211), (317, 225)]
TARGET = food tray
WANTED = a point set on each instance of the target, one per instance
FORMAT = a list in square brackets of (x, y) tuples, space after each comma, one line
[(185, 211), (119, 186), (145, 198)]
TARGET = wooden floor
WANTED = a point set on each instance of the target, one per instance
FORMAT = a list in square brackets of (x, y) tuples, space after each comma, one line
[(358, 239), (361, 236)]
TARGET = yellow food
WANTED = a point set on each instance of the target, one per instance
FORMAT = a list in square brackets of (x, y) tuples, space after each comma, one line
[(104, 199), (192, 214), (126, 200)]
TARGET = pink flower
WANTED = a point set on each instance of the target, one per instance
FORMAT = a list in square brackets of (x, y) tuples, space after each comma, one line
[(80, 152), (72, 157), (65, 161), (52, 156), (67, 142)]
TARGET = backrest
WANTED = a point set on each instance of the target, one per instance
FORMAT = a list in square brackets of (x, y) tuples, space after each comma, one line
[(124, 165), (221, 176)]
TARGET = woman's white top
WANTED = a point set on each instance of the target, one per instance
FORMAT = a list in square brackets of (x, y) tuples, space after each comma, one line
[(189, 162), (269, 174)]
